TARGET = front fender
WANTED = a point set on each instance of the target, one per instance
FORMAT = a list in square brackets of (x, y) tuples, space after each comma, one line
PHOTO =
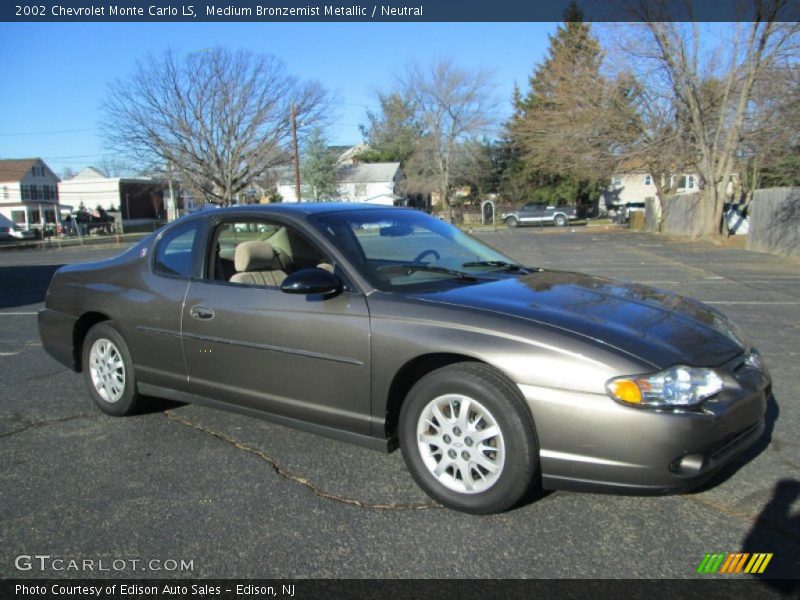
[(528, 354)]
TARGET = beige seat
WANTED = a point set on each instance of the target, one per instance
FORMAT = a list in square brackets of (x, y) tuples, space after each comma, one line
[(257, 264)]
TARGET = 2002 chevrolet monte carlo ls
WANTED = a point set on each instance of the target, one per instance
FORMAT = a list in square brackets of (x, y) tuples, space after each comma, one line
[(384, 325)]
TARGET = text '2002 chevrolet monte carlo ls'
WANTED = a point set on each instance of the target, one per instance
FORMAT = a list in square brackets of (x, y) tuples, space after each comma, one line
[(385, 326)]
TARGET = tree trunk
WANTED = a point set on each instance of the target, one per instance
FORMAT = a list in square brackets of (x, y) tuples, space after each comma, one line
[(659, 198), (711, 210)]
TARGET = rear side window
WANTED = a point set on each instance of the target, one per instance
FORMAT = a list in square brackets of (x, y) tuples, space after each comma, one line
[(174, 253)]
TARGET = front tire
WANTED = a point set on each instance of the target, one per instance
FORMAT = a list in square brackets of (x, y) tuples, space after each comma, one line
[(468, 439), (108, 370), (560, 221), (512, 222)]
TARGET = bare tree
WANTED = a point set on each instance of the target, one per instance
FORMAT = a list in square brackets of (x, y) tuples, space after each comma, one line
[(219, 118), (451, 104), (770, 151), (114, 166), (712, 85), (473, 165)]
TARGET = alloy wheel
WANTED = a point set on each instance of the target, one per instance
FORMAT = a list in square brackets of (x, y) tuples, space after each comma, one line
[(461, 443), (107, 370)]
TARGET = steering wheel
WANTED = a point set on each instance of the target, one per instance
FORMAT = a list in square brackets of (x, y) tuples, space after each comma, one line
[(425, 253)]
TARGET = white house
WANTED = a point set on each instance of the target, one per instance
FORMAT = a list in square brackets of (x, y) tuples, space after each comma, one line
[(134, 197), (375, 183), (635, 185), (29, 193)]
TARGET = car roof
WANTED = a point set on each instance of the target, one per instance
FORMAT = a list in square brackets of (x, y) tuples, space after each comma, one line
[(308, 208)]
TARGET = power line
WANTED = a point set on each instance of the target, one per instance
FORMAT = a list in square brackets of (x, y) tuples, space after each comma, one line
[(47, 132)]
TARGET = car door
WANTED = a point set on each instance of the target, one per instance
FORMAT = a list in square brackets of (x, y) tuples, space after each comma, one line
[(528, 212), (257, 347), (151, 324)]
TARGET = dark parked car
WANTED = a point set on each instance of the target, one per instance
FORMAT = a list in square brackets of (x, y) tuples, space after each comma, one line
[(382, 326), (539, 213)]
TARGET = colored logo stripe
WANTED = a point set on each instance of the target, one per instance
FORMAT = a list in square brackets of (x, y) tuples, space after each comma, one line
[(734, 562)]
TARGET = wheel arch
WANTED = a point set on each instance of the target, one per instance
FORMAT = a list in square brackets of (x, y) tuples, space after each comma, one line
[(411, 372), (82, 326)]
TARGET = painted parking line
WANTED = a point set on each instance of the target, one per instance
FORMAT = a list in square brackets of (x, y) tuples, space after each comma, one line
[(17, 314)]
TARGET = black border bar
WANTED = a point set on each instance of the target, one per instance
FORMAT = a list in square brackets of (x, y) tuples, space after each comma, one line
[(701, 588), (189, 11)]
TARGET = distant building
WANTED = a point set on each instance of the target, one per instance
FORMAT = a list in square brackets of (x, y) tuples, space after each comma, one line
[(375, 183), (29, 194), (135, 197), (633, 184)]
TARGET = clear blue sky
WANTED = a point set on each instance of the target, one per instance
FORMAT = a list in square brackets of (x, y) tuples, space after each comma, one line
[(56, 74)]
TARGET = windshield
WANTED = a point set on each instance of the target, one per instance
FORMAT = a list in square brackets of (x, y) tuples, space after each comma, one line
[(396, 249)]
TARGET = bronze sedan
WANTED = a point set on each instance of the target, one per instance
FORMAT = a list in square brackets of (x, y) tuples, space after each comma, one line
[(382, 326)]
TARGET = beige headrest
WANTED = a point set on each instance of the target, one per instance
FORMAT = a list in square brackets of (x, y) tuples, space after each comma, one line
[(255, 256)]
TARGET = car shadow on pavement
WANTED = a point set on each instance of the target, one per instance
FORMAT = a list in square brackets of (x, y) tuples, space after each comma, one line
[(24, 284), (152, 405), (777, 531)]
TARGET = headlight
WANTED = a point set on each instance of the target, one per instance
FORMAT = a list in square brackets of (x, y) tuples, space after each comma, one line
[(754, 360), (674, 387)]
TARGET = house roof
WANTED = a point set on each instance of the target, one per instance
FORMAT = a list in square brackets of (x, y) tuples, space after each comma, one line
[(369, 172), (359, 173), (91, 173), (14, 169), (631, 165)]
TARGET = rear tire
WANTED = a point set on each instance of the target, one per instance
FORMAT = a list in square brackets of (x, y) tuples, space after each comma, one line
[(512, 222), (468, 439), (108, 370)]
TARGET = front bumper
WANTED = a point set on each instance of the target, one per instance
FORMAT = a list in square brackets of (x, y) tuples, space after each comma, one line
[(589, 442)]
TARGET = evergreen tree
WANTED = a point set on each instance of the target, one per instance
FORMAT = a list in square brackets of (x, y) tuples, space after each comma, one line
[(319, 167), (393, 133), (559, 139)]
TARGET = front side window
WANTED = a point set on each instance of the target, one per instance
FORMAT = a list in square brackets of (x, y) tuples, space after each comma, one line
[(174, 253), (396, 249), (261, 253), (18, 216)]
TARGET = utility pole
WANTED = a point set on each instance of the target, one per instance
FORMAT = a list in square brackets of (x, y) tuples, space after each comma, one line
[(171, 208), (296, 154)]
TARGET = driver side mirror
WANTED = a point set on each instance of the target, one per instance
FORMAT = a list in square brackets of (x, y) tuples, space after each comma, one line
[(312, 281)]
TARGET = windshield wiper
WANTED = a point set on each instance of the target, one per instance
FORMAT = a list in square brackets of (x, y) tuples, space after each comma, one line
[(506, 266), (410, 268)]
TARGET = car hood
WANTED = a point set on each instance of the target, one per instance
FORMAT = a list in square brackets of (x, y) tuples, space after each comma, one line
[(653, 325)]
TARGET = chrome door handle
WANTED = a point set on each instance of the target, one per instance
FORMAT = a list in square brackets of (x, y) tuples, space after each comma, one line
[(201, 312)]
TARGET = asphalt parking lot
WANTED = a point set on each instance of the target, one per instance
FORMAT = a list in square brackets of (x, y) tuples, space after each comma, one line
[(241, 497)]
